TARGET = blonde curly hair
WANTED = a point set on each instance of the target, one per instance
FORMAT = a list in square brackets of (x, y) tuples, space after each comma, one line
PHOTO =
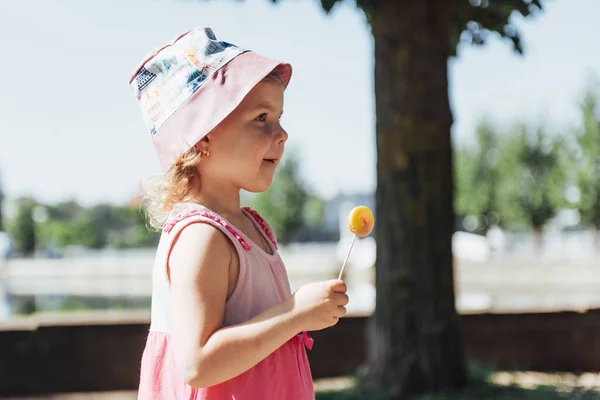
[(181, 183)]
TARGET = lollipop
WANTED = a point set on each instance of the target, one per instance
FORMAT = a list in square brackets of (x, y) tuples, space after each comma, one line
[(360, 223)]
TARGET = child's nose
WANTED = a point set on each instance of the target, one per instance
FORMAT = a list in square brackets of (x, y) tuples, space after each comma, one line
[(282, 136)]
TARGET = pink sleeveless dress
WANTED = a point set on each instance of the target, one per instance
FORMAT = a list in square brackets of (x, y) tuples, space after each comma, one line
[(262, 283)]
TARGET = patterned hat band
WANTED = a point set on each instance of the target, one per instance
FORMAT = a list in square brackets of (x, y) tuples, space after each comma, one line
[(187, 87)]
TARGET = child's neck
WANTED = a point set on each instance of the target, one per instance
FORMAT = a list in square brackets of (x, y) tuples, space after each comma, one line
[(223, 202)]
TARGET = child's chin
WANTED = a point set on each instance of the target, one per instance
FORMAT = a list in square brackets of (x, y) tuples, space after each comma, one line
[(258, 187)]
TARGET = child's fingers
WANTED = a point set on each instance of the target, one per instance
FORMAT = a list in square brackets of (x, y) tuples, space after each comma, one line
[(338, 286)]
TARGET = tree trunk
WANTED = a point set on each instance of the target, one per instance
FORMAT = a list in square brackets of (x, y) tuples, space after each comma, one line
[(415, 339), (537, 240)]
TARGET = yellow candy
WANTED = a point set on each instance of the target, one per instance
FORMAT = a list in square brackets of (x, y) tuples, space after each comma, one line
[(361, 221)]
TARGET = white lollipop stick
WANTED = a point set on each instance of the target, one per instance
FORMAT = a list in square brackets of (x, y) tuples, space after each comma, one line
[(347, 257)]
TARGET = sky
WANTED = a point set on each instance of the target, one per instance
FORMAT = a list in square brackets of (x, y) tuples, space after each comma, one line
[(70, 127)]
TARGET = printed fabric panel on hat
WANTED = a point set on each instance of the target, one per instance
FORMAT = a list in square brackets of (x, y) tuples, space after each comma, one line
[(176, 71)]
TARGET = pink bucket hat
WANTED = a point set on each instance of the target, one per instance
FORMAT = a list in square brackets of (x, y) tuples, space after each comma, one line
[(187, 87)]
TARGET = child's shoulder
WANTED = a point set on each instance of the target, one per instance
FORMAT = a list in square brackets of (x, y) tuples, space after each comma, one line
[(188, 212), (182, 226), (180, 212)]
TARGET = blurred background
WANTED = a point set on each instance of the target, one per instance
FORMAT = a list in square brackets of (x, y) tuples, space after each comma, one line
[(76, 254)]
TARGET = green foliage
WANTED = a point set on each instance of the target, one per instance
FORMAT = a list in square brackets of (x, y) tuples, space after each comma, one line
[(586, 157), (524, 173), (129, 229), (328, 4), (284, 203), (474, 20), (22, 229), (481, 387), (287, 206), (69, 224), (477, 173), (64, 211), (314, 211), (520, 174), (78, 232), (464, 181), (25, 306), (533, 180)]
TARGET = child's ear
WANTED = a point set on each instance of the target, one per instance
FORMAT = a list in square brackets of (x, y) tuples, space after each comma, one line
[(202, 146)]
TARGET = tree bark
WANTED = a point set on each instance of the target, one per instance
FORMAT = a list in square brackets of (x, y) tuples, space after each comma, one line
[(415, 340), (537, 240)]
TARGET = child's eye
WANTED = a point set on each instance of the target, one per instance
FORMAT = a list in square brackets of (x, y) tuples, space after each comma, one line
[(262, 117)]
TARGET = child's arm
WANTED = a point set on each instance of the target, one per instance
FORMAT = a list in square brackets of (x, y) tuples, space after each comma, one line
[(207, 354)]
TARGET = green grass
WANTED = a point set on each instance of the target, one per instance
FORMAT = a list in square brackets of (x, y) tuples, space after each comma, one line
[(486, 384)]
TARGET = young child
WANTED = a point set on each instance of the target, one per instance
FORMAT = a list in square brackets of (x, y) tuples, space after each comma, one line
[(224, 323)]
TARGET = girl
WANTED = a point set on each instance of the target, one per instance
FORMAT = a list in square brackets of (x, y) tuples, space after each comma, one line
[(224, 323)]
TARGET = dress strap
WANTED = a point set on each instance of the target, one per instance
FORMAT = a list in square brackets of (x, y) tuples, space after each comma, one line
[(263, 224), (178, 221)]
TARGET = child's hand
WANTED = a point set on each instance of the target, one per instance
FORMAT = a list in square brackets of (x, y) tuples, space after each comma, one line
[(320, 305)]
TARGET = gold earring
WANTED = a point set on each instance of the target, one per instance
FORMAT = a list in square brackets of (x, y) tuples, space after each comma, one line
[(206, 153)]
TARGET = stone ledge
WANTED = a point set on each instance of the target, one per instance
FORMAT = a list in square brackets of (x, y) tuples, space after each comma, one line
[(100, 352)]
